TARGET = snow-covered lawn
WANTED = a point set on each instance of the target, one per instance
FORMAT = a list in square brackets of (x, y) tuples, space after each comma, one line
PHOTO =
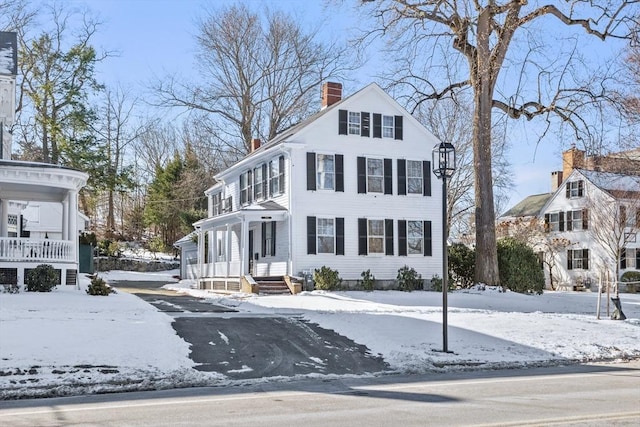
[(68, 341)]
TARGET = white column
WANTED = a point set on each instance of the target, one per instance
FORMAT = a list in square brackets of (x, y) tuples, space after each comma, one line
[(65, 219), (4, 218), (244, 247), (228, 249), (200, 253)]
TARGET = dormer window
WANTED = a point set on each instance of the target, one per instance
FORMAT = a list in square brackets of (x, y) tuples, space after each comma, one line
[(574, 189)]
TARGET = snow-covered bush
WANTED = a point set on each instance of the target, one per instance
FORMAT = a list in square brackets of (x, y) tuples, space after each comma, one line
[(368, 280), (99, 287)]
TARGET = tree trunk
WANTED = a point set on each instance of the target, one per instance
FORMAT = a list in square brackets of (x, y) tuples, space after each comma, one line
[(486, 270)]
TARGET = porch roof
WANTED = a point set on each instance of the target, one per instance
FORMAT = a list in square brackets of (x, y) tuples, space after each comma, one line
[(266, 211), (31, 181)]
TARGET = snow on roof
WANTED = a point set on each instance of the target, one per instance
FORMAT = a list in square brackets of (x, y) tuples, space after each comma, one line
[(530, 206), (613, 182)]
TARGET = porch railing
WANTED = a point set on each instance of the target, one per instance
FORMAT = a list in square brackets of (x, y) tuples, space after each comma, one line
[(36, 250)]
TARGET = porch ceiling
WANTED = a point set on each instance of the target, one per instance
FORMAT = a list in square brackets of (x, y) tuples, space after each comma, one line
[(247, 215)]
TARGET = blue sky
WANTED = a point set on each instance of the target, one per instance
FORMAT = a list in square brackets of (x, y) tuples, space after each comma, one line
[(155, 37)]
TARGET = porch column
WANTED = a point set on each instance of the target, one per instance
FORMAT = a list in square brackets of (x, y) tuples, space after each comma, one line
[(228, 250), (4, 218), (200, 253), (65, 219), (244, 247), (72, 222)]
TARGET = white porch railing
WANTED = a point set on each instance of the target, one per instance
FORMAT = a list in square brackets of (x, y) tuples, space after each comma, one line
[(45, 250)]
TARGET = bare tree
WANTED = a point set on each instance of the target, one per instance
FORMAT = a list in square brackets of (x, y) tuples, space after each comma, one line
[(259, 73), (482, 35)]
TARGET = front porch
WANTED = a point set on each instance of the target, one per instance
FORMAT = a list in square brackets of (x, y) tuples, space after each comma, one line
[(19, 255)]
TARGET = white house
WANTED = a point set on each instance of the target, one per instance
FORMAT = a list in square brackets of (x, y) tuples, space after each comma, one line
[(22, 183), (350, 188), (598, 213)]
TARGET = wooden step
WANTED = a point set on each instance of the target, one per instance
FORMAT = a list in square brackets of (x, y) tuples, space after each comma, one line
[(272, 286)]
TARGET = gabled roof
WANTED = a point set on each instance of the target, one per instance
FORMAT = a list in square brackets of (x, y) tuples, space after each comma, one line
[(530, 206)]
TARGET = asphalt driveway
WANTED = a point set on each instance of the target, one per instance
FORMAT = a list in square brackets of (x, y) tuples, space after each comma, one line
[(244, 346)]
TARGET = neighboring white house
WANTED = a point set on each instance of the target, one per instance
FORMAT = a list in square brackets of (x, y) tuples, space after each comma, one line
[(22, 183), (599, 214), (350, 188)]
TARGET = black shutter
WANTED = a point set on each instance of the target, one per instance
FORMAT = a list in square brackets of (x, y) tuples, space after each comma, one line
[(428, 241), (569, 220), (585, 219), (546, 223), (623, 216), (567, 190), (264, 181), (311, 171), (402, 177), (362, 175), (339, 236), (569, 259), (311, 235), (388, 176), (426, 178), (273, 238), (637, 217), (342, 122), (402, 237), (362, 236), (364, 124), (377, 125), (398, 127), (250, 186), (637, 259), (623, 259), (388, 237), (585, 259), (281, 174), (243, 192), (580, 188), (339, 172), (561, 221), (264, 239)]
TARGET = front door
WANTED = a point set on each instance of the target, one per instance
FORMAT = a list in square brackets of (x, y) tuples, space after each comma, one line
[(251, 260)]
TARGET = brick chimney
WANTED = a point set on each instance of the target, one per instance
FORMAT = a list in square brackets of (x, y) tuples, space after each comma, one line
[(331, 93), (556, 180), (255, 144), (572, 159)]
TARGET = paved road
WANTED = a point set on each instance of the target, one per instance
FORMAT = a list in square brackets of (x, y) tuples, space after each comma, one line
[(243, 346), (577, 395)]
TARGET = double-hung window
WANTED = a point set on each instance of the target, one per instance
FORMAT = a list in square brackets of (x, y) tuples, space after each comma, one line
[(216, 204), (325, 172), (354, 123), (554, 221), (325, 235), (576, 220), (259, 182), (415, 237), (387, 127), (276, 176), (246, 188), (574, 189), (414, 177), (578, 259), (375, 236), (375, 233), (375, 176)]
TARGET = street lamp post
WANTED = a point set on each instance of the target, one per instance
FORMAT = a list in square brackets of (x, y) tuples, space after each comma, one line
[(444, 164)]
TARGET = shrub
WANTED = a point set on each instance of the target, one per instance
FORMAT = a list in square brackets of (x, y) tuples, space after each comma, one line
[(519, 267), (109, 248), (99, 287), (436, 284), (408, 279), (630, 276), (10, 288), (43, 278), (462, 262), (368, 280), (326, 279)]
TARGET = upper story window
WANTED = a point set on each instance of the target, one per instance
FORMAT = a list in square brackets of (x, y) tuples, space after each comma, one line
[(260, 182), (578, 259), (574, 189), (359, 123), (354, 123), (216, 202), (246, 188), (375, 175), (630, 258), (577, 220), (414, 177), (554, 221), (325, 172), (276, 176), (628, 218), (325, 235), (388, 126)]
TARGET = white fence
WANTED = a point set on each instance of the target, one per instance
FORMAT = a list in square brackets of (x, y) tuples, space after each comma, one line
[(39, 250)]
